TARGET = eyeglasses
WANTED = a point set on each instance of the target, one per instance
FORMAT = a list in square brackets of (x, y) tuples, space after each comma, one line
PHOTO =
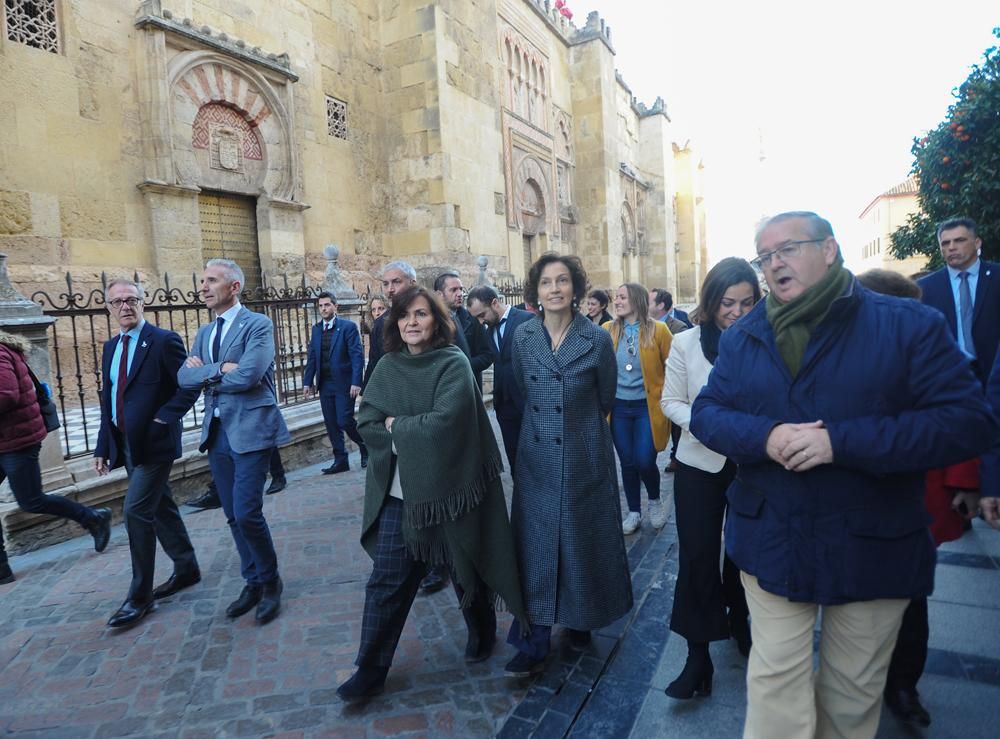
[(117, 303), (788, 250)]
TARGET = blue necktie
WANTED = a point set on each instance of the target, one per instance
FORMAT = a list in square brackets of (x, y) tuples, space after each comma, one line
[(965, 305), (217, 343)]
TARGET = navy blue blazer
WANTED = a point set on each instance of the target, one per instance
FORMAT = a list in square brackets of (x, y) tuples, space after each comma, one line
[(151, 392), (508, 401), (347, 357), (683, 317), (985, 312)]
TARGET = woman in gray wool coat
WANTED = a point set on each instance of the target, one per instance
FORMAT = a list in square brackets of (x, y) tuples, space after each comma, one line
[(566, 512)]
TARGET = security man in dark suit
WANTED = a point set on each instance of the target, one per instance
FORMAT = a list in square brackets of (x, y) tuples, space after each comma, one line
[(470, 335), (335, 364), (501, 320), (141, 411), (966, 291)]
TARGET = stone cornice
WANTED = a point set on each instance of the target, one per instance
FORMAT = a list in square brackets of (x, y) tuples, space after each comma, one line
[(152, 16)]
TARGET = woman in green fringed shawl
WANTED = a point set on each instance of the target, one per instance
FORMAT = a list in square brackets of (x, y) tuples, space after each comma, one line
[(433, 494)]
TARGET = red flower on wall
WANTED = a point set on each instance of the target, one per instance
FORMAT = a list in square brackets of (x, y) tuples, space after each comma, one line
[(563, 10)]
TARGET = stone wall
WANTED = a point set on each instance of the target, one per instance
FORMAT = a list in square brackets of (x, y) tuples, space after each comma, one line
[(105, 145)]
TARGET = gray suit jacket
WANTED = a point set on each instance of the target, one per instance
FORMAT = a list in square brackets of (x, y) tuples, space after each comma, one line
[(245, 397)]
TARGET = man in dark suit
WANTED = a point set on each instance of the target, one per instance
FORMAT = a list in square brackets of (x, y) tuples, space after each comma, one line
[(661, 308), (470, 336), (965, 290), (141, 411), (335, 364), (233, 361), (501, 321), (396, 277)]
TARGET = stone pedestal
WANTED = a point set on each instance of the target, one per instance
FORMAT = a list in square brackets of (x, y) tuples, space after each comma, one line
[(20, 316)]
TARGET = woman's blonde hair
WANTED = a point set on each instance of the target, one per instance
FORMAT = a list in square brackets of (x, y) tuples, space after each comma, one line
[(638, 298)]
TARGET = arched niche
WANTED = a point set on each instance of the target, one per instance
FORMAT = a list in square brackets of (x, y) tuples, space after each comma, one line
[(230, 129)]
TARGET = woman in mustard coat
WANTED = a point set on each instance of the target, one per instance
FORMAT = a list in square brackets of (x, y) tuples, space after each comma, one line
[(638, 426)]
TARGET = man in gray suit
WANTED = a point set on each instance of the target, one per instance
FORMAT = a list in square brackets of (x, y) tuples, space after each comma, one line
[(233, 360)]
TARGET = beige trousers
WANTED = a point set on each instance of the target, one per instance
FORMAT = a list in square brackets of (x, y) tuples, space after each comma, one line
[(844, 699)]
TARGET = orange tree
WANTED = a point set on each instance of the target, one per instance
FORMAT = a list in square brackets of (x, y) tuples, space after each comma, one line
[(958, 167)]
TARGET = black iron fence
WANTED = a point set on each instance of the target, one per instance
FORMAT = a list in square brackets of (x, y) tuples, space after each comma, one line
[(512, 292), (83, 325)]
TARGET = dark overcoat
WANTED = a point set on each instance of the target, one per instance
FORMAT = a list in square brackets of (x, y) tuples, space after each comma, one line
[(566, 512)]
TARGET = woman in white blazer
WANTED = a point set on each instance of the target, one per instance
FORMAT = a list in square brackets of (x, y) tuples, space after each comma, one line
[(701, 596)]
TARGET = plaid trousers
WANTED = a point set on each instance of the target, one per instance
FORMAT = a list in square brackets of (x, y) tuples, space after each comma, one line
[(390, 591)]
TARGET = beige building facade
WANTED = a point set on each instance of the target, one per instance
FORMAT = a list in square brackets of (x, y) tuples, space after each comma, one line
[(153, 135), (881, 218)]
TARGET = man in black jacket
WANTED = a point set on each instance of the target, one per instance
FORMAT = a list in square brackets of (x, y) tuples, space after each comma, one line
[(470, 335)]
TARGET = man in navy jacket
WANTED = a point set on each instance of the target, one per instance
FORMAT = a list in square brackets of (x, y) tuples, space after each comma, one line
[(141, 411), (501, 321), (965, 290), (833, 401), (335, 364)]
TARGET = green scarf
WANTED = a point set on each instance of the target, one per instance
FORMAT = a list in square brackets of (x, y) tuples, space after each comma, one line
[(454, 511), (793, 322)]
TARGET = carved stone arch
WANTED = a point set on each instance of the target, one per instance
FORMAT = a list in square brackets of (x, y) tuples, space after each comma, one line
[(199, 79), (531, 197)]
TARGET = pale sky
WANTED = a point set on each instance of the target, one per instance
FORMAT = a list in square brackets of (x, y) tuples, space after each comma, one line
[(836, 92)]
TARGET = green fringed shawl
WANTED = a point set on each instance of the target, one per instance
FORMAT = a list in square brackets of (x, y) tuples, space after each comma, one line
[(454, 511)]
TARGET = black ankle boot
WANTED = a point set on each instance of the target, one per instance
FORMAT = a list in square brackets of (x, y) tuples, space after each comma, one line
[(365, 683), (696, 677)]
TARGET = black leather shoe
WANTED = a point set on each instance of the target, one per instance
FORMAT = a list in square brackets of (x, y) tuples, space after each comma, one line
[(336, 467), (478, 649), (364, 457), (270, 601), (6, 576), (247, 600), (523, 666), (365, 683), (579, 639), (130, 614), (905, 705), (739, 630), (176, 582), (434, 580), (277, 485), (100, 528), (206, 502)]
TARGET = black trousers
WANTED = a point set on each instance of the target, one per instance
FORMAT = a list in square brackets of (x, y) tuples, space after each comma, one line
[(151, 515), (510, 431), (910, 653), (702, 597), (392, 588)]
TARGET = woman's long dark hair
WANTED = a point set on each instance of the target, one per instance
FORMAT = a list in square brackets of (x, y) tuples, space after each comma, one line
[(730, 271)]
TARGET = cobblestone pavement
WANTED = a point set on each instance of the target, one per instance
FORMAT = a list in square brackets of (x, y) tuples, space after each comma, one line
[(189, 671)]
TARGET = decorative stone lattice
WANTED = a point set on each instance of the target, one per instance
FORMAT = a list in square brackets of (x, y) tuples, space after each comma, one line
[(215, 118), (33, 22), (336, 117)]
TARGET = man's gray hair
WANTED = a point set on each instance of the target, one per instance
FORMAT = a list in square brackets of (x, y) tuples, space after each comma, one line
[(818, 227), (232, 272), (403, 267), (140, 293)]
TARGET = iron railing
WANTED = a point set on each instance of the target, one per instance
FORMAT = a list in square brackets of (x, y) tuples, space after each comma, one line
[(83, 325)]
